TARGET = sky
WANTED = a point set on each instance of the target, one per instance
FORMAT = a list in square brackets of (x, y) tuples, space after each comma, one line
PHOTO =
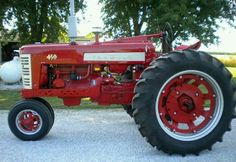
[(93, 18)]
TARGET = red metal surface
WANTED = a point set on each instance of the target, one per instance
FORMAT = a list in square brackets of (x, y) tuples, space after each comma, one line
[(195, 46), (60, 70), (73, 55), (116, 94), (58, 83), (29, 121), (118, 68), (104, 92), (43, 75), (185, 99), (69, 58)]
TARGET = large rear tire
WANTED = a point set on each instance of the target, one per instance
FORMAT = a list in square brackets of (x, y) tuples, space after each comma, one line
[(184, 102), (129, 110)]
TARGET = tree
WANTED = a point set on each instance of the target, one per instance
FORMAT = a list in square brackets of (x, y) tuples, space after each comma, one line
[(199, 18), (4, 16), (124, 17), (39, 20)]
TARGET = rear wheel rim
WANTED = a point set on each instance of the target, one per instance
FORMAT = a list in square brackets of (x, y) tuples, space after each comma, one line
[(28, 122), (189, 105)]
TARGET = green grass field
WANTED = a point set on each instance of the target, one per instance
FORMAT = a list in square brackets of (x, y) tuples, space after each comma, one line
[(232, 70), (228, 60)]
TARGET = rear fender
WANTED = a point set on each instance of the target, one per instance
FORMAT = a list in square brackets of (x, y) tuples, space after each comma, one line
[(195, 46)]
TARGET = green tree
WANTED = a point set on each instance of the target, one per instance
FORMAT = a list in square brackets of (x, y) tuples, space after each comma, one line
[(4, 16), (199, 18), (38, 20)]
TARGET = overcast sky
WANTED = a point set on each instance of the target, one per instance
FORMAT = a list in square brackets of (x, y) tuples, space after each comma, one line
[(92, 18)]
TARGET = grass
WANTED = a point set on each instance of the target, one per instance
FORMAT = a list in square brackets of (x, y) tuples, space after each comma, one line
[(222, 53), (233, 71), (228, 60), (9, 98)]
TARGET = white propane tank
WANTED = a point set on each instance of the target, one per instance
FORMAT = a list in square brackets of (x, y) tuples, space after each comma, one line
[(10, 72)]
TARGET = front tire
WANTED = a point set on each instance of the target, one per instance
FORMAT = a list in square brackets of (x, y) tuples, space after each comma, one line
[(184, 102), (29, 120), (43, 101)]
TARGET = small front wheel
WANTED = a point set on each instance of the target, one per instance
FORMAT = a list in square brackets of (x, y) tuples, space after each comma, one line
[(29, 120), (43, 101)]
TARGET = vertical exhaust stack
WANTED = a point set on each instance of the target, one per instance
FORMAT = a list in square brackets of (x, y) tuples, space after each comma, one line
[(72, 22), (97, 31)]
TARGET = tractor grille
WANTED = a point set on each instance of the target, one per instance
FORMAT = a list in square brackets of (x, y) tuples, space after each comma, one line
[(25, 60)]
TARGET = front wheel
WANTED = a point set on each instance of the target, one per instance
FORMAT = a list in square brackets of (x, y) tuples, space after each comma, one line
[(43, 101), (29, 120), (184, 102)]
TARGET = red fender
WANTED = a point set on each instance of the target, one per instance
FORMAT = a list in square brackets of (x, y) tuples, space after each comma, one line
[(195, 46)]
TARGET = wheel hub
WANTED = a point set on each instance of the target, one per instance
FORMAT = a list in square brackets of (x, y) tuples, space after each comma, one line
[(187, 103), (28, 121), (183, 104)]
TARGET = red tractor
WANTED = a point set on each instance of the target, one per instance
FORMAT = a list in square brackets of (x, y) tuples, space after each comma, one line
[(182, 100)]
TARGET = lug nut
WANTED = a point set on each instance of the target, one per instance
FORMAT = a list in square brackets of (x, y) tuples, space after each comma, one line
[(180, 77), (160, 114), (214, 95), (163, 91), (201, 78)]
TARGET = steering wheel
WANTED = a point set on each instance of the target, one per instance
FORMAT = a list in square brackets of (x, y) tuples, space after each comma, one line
[(167, 38)]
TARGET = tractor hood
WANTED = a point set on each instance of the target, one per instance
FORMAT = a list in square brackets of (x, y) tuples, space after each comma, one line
[(90, 53)]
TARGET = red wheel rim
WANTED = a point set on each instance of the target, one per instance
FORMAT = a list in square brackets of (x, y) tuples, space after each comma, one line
[(28, 121), (187, 103)]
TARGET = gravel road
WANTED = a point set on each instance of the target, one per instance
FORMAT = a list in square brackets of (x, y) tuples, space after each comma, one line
[(99, 135)]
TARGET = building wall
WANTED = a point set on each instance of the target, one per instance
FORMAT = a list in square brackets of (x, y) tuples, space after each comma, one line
[(6, 49)]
